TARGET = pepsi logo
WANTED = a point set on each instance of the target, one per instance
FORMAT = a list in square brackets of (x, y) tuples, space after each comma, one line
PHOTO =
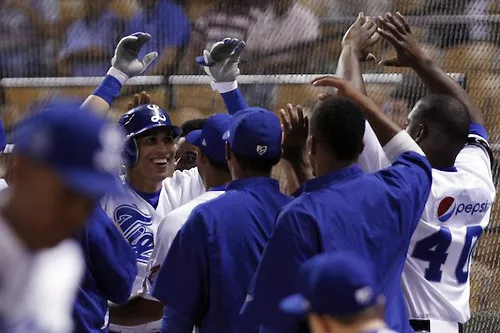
[(449, 207), (446, 209)]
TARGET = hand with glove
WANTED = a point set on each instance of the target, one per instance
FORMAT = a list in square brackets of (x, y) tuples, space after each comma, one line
[(125, 63), (221, 63)]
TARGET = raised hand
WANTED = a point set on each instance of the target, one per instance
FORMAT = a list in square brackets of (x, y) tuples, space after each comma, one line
[(221, 62), (295, 132), (345, 89), (139, 99), (127, 51), (362, 35), (397, 31)]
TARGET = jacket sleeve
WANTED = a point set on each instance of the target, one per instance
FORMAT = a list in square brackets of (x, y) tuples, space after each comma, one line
[(113, 260)]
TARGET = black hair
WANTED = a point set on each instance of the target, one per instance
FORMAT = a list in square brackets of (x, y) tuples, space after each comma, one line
[(219, 166), (373, 312), (192, 125), (447, 116), (254, 164), (339, 125)]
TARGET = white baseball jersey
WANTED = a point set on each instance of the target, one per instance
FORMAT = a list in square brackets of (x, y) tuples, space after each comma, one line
[(37, 290), (165, 236), (139, 221), (436, 274)]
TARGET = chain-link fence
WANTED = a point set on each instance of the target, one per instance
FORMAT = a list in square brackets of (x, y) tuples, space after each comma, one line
[(73, 41)]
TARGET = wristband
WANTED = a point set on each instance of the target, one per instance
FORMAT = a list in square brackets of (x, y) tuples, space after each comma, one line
[(109, 89), (224, 87)]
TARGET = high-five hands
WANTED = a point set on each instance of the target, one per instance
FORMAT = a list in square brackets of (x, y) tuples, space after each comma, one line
[(396, 30), (139, 99), (362, 35), (221, 62), (295, 131), (125, 58)]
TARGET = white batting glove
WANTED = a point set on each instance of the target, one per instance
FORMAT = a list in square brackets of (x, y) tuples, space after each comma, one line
[(125, 63), (221, 63)]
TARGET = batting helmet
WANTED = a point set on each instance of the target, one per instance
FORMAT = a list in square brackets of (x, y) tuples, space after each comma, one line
[(139, 120)]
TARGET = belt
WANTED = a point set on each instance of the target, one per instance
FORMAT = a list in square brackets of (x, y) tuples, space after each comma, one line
[(438, 326)]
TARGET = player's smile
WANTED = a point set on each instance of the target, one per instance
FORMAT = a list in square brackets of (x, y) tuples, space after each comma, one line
[(162, 162)]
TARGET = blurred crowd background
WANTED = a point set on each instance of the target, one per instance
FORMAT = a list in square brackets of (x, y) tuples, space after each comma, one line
[(46, 39)]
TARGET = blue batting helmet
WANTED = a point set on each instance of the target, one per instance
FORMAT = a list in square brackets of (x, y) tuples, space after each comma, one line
[(139, 120)]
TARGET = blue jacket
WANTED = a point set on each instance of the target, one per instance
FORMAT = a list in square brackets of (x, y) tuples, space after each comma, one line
[(110, 272), (373, 215), (210, 265)]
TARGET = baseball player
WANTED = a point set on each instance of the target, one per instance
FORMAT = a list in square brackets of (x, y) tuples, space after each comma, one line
[(66, 160), (152, 191), (211, 261), (435, 278), (338, 293), (211, 162), (450, 130), (372, 214), (110, 271)]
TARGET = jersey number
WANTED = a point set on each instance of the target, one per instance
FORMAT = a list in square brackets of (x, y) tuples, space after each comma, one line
[(434, 248)]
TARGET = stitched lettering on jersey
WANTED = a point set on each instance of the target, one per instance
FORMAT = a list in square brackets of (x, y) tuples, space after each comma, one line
[(134, 225)]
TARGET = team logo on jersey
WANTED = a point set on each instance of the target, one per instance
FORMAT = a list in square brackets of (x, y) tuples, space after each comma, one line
[(134, 225), (449, 207)]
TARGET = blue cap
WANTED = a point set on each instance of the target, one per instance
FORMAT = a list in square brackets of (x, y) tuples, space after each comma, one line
[(334, 284), (255, 133), (82, 148), (209, 138)]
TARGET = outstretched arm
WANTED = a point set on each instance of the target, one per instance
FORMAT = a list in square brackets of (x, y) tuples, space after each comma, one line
[(124, 65), (221, 65), (396, 30), (357, 41)]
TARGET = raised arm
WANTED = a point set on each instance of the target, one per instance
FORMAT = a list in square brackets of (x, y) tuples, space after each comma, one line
[(124, 65), (410, 54), (221, 65), (356, 45)]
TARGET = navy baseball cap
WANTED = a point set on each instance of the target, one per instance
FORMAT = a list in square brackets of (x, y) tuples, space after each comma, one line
[(209, 138), (82, 147), (255, 133), (335, 284)]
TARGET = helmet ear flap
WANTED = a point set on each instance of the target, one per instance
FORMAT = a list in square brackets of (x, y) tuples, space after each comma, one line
[(130, 153)]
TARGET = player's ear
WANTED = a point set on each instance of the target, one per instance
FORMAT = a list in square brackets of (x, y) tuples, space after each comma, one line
[(312, 146), (228, 152), (421, 133), (201, 158)]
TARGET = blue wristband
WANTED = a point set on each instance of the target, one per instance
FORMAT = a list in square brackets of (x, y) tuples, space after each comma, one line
[(109, 89)]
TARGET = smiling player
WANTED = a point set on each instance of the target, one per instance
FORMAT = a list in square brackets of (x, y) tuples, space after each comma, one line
[(153, 189)]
